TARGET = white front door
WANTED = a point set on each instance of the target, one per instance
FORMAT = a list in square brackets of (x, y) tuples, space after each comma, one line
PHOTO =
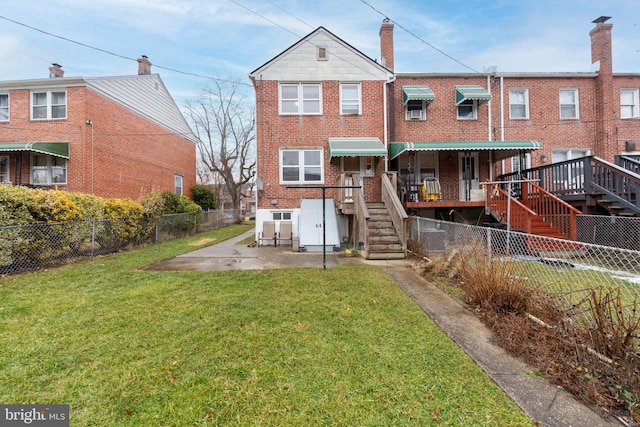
[(469, 177)]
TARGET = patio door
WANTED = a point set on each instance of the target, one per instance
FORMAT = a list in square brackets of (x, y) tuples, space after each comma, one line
[(468, 171)]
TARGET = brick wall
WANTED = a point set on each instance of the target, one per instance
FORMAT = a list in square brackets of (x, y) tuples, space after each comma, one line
[(275, 131), (131, 155)]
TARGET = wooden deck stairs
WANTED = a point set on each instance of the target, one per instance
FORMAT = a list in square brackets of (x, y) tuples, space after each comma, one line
[(383, 239)]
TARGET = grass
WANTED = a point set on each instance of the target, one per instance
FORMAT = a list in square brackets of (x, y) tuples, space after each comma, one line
[(125, 346)]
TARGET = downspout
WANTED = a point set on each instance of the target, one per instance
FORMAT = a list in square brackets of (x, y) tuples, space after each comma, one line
[(489, 117), (502, 114), (391, 79)]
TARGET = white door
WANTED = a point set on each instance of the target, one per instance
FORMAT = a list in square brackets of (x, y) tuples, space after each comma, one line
[(469, 177)]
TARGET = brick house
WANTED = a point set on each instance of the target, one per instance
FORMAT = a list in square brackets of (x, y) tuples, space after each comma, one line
[(120, 136), (328, 115)]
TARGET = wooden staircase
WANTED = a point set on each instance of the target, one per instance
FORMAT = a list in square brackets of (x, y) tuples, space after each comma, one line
[(383, 240)]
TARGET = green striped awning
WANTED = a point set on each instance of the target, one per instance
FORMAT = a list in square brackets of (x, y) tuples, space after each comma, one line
[(501, 149), (417, 93), (473, 93), (341, 147), (58, 149)]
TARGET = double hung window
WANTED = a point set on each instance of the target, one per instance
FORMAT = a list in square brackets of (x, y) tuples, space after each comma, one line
[(4, 107), (301, 98), (48, 170), (350, 98), (629, 104), (48, 105), (519, 103), (301, 166), (468, 110), (569, 104)]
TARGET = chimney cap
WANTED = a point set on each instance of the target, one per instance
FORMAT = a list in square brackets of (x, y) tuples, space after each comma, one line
[(56, 65), (601, 19)]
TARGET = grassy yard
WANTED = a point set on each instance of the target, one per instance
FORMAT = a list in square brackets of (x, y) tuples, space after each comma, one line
[(293, 347)]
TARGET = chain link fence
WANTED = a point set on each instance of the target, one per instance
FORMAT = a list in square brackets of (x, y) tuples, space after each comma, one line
[(37, 246), (606, 230), (569, 271)]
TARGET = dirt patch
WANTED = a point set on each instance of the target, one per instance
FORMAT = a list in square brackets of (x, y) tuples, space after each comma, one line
[(203, 242)]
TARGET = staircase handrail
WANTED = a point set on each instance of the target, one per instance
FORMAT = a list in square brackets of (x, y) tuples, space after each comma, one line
[(362, 217), (399, 216), (498, 202), (616, 182), (558, 213)]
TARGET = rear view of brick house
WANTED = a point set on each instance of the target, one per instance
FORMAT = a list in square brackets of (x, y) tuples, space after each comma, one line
[(120, 136)]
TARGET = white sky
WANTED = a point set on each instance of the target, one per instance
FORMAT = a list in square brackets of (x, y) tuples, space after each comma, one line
[(230, 38)]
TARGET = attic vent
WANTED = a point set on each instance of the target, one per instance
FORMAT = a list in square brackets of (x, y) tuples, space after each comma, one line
[(322, 54)]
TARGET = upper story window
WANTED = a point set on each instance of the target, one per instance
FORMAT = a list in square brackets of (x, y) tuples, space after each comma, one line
[(4, 107), (416, 109), (629, 104), (178, 186), (48, 170), (468, 110), (48, 105), (301, 98), (569, 104), (350, 98), (519, 103), (301, 166)]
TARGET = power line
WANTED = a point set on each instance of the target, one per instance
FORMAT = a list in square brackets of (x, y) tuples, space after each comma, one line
[(116, 54), (421, 39)]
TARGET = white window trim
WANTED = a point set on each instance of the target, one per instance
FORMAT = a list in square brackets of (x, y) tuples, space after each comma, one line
[(423, 111), (577, 103), (359, 100), (178, 184), (301, 165), (299, 99), (8, 107), (49, 169), (474, 109), (49, 104), (322, 53), (526, 103), (281, 215), (635, 107)]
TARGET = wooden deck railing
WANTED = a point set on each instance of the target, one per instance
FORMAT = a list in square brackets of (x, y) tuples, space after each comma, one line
[(554, 211), (508, 209)]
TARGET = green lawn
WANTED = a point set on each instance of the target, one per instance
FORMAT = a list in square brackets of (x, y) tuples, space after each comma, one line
[(291, 347)]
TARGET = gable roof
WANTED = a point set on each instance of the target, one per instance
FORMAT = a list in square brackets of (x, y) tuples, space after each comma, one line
[(145, 95), (341, 57)]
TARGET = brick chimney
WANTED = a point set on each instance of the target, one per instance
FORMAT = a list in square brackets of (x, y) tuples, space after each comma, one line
[(144, 65), (605, 144), (56, 71), (386, 44), (601, 44)]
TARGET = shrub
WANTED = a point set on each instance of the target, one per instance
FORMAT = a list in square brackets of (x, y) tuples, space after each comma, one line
[(203, 197), (93, 207), (174, 204), (153, 209), (56, 206), (125, 215), (16, 205)]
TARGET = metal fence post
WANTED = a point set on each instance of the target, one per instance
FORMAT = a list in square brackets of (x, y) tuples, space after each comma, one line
[(93, 236)]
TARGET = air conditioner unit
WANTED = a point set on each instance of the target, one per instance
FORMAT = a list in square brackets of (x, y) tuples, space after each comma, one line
[(415, 114)]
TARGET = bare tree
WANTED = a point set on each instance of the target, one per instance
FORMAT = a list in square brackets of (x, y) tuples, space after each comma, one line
[(224, 122)]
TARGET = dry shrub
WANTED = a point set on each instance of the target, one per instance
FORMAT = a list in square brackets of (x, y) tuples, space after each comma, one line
[(497, 286)]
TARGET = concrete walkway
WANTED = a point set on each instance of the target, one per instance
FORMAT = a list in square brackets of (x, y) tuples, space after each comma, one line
[(545, 403)]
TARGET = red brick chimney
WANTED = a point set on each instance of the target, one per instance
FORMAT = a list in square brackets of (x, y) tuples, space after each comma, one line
[(601, 44), (386, 44), (144, 65), (605, 144), (56, 70)]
